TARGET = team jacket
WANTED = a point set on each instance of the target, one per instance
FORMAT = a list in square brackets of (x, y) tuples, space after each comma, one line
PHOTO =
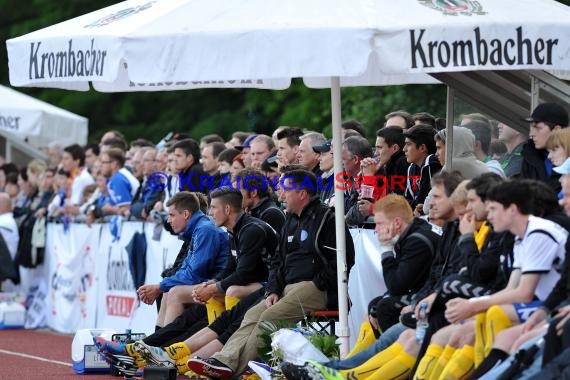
[(417, 193), (446, 260), (297, 258), (492, 266), (268, 211), (252, 242), (407, 270), (207, 253)]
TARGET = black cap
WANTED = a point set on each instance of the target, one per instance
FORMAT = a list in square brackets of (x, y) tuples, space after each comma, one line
[(269, 163), (323, 148), (552, 113), (246, 143)]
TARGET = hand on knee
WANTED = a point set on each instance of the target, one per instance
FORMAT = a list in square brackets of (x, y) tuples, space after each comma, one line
[(234, 291)]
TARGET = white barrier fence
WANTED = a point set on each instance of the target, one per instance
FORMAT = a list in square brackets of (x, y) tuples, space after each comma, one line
[(85, 281)]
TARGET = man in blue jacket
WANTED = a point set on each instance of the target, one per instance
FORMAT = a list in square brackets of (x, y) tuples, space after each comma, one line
[(207, 257)]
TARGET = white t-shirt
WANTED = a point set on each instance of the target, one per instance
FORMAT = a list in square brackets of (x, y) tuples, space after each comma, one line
[(541, 251), (79, 183)]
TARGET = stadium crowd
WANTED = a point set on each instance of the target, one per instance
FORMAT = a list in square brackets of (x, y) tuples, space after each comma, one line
[(482, 244)]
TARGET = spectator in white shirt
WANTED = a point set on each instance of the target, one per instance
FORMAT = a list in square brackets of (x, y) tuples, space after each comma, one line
[(73, 162)]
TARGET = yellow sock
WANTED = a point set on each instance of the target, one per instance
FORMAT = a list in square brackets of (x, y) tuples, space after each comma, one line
[(231, 302), (480, 338), (426, 365), (375, 362), (129, 349), (177, 350), (182, 365), (365, 338), (461, 365), (444, 358), (497, 321), (253, 376), (214, 308), (453, 356), (397, 368), (139, 360)]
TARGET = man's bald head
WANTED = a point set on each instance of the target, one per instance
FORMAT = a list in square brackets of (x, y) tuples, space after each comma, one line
[(5, 203)]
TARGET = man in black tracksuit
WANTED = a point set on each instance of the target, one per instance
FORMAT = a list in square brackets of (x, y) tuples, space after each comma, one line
[(266, 209), (419, 148), (258, 198), (406, 261), (252, 241)]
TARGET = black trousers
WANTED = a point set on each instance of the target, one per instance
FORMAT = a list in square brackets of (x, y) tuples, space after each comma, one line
[(555, 344), (193, 319), (386, 309)]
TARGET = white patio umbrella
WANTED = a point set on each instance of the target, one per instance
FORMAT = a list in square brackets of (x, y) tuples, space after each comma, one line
[(38, 123), (146, 45)]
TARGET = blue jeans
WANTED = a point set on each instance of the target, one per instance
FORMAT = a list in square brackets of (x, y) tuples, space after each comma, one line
[(386, 340)]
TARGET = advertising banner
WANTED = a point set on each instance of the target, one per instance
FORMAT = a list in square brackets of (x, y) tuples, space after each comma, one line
[(71, 259)]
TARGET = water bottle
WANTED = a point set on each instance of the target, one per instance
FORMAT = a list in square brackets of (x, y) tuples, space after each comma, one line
[(422, 323)]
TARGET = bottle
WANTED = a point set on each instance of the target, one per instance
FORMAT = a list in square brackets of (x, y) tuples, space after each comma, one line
[(422, 323)]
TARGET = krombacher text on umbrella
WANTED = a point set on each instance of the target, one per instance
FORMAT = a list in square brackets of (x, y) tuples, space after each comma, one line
[(66, 63), (479, 51), (11, 123)]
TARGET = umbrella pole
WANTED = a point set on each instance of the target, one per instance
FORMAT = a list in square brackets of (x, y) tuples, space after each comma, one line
[(342, 275), (449, 110)]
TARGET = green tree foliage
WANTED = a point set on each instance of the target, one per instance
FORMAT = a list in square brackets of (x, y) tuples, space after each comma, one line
[(199, 112)]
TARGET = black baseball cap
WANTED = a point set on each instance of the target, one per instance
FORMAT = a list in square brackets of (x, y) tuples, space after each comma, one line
[(323, 148), (552, 113), (269, 163)]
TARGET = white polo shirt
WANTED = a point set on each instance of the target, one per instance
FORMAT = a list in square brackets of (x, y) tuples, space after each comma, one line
[(541, 251)]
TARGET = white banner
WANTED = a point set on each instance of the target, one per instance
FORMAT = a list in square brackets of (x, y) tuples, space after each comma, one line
[(366, 279), (71, 260), (84, 292), (36, 299), (88, 283), (118, 306), (117, 298)]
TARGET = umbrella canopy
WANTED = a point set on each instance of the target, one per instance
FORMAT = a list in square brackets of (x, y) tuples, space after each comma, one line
[(148, 45), (39, 123)]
